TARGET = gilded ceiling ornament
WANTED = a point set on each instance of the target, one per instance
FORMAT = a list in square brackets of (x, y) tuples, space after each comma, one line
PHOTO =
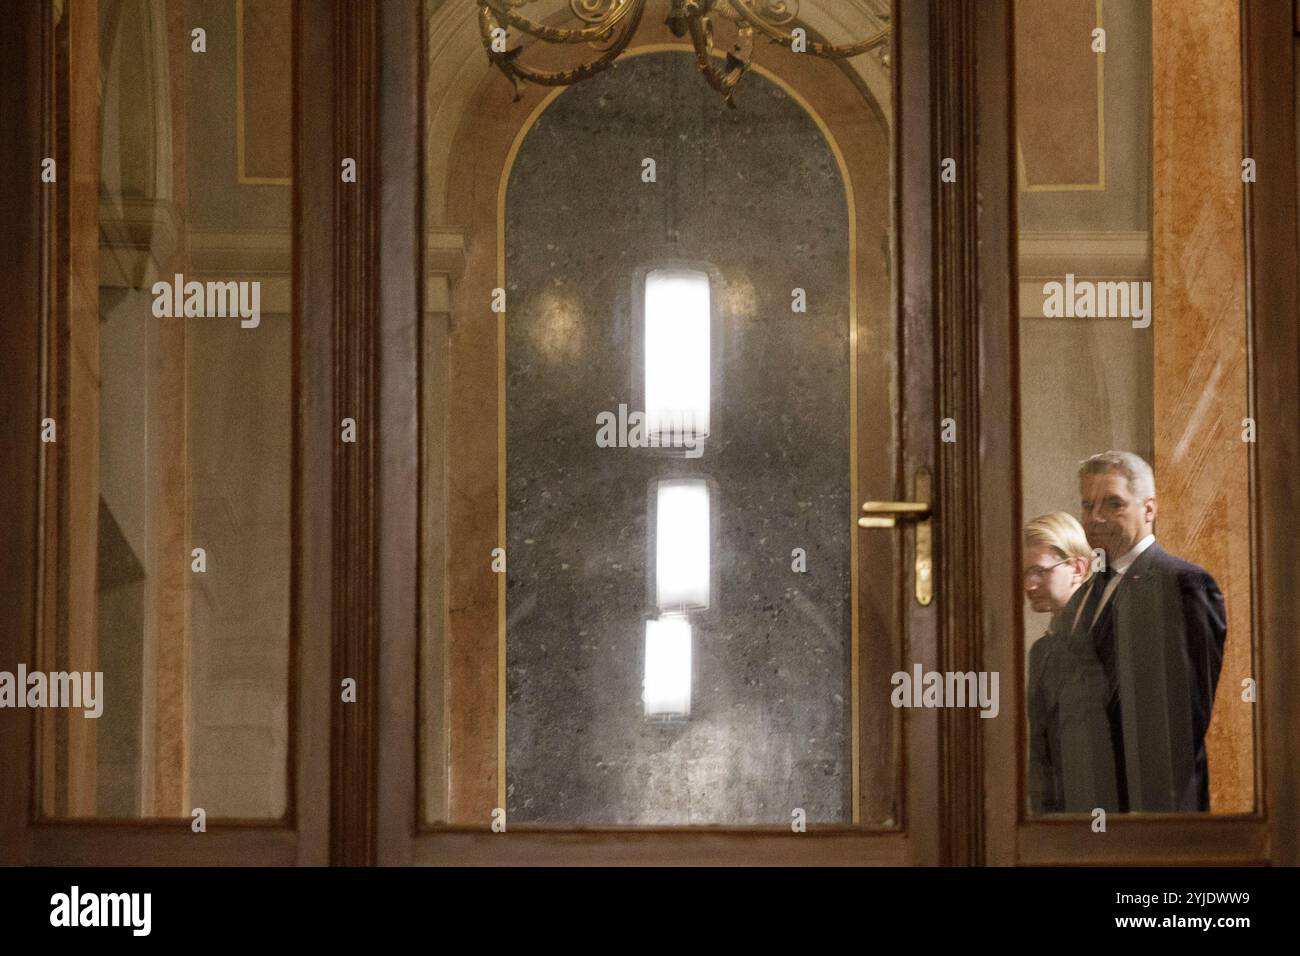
[(608, 26)]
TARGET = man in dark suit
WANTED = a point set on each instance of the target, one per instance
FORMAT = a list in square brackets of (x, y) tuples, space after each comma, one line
[(1156, 625)]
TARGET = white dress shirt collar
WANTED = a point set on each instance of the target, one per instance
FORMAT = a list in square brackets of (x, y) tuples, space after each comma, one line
[(1126, 562)]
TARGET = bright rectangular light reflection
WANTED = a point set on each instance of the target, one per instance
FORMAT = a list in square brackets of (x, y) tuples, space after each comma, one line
[(682, 544), (676, 354), (667, 688)]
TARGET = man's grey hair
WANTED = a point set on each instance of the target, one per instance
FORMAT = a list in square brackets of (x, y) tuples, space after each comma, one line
[(1141, 481)]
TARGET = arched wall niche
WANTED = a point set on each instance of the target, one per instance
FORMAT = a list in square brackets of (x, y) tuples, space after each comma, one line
[(459, 658)]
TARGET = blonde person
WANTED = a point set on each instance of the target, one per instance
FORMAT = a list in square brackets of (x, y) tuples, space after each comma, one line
[(1057, 562)]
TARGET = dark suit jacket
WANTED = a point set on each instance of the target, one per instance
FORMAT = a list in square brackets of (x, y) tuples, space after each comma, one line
[(1071, 758), (1159, 644)]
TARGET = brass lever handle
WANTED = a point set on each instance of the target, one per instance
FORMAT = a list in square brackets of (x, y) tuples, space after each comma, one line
[(908, 506), (888, 514)]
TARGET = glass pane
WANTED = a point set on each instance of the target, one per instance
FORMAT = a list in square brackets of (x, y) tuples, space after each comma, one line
[(661, 368), (175, 441), (1135, 418)]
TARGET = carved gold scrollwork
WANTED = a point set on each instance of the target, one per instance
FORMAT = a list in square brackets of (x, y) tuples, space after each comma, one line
[(609, 26), (492, 15), (736, 62), (603, 16), (594, 11), (770, 18), (776, 12)]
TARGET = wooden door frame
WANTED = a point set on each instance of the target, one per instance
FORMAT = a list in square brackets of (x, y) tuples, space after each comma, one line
[(26, 52), (1268, 835), (357, 574), (326, 307), (972, 802), (406, 841)]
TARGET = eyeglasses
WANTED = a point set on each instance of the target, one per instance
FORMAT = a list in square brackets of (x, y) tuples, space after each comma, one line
[(1037, 572)]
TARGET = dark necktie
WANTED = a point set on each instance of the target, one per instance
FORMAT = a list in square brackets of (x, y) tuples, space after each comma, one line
[(1093, 600)]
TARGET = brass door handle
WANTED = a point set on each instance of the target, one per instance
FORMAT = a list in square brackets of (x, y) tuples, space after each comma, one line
[(888, 514)]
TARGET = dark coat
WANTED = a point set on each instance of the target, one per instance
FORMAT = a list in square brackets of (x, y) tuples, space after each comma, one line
[(1158, 645), (1071, 760)]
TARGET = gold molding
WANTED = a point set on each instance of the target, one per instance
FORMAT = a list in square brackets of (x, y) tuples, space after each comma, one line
[(1100, 184), (240, 174), (852, 210)]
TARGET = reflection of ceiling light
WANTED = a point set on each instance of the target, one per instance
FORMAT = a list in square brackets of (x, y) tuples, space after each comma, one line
[(667, 688), (739, 299), (682, 544), (677, 328), (609, 25), (557, 331)]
